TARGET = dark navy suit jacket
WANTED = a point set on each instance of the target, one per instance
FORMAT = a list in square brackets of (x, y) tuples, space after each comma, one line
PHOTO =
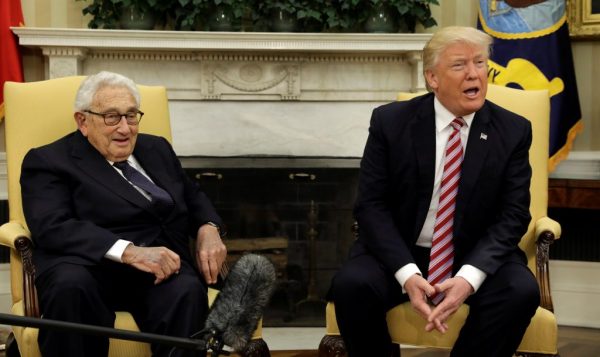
[(77, 206), (396, 184)]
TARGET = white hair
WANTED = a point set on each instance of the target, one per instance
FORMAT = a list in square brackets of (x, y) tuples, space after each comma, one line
[(93, 83)]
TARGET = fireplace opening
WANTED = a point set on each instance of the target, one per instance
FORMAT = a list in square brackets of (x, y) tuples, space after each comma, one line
[(300, 218)]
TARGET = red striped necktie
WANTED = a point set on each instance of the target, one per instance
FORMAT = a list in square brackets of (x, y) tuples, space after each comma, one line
[(442, 245)]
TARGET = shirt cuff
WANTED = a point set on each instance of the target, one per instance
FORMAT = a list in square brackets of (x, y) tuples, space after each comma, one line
[(115, 253), (472, 275), (218, 227), (406, 272)]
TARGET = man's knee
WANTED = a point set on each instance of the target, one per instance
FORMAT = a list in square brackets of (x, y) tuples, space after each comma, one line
[(187, 288), (520, 288), (68, 281), (349, 283), (365, 281), (527, 291)]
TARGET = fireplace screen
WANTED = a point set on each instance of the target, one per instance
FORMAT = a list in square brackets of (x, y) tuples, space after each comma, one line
[(299, 218)]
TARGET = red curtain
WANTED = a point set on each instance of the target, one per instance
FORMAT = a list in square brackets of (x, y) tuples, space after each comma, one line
[(10, 58)]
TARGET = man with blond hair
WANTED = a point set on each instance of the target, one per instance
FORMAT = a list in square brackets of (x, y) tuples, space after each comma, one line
[(443, 202)]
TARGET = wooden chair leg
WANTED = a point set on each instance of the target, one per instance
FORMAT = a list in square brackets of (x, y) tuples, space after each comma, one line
[(257, 348), (12, 350), (332, 346), (396, 350)]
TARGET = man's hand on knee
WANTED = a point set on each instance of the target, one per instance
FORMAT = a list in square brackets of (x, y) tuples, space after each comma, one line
[(160, 261)]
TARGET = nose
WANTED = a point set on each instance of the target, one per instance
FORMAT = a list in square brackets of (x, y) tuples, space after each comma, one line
[(471, 69), (123, 127)]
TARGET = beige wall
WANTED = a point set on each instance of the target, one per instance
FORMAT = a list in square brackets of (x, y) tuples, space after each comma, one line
[(54, 13), (67, 13)]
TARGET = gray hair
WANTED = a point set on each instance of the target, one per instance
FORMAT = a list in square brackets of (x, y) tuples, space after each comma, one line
[(93, 83), (451, 35)]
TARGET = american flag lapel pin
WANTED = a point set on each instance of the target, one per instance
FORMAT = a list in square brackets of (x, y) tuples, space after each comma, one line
[(483, 136)]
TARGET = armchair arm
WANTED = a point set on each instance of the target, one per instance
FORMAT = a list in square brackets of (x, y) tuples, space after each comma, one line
[(548, 224), (547, 231), (10, 232), (18, 238)]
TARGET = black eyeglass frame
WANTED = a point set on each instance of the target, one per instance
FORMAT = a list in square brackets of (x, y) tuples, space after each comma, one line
[(139, 115)]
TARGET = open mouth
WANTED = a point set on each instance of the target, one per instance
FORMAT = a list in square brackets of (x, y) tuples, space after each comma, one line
[(121, 141), (472, 92)]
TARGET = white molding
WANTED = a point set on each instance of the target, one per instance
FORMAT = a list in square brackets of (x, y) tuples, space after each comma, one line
[(4, 278), (575, 290), (229, 41), (584, 165), (319, 66), (5, 299)]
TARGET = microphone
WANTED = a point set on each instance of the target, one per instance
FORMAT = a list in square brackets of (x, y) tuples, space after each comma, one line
[(235, 312)]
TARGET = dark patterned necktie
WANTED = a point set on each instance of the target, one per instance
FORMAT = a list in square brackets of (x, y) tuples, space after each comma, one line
[(159, 196)]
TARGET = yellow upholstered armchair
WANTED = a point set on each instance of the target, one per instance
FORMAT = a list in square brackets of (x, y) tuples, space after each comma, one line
[(38, 113), (406, 327)]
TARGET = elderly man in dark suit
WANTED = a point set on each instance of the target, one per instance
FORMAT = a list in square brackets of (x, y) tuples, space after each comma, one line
[(111, 214), (442, 204)]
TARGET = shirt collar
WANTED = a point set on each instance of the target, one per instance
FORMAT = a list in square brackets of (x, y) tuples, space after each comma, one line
[(131, 160), (443, 117)]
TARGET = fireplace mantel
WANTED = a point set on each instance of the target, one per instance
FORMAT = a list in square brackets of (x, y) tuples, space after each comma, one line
[(221, 41), (246, 93)]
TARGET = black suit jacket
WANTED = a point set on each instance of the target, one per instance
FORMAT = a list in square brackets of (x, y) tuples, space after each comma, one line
[(77, 206), (396, 184)]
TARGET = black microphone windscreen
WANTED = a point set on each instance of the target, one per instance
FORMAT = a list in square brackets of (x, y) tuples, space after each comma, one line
[(246, 292)]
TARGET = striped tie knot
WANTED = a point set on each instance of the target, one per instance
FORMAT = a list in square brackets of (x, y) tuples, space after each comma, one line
[(457, 123)]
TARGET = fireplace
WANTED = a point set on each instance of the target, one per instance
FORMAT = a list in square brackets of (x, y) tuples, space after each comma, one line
[(310, 208)]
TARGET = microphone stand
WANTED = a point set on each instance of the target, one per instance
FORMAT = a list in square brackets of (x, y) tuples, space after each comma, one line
[(181, 342)]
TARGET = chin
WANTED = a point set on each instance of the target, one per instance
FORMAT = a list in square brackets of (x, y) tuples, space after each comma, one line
[(474, 106), (120, 156)]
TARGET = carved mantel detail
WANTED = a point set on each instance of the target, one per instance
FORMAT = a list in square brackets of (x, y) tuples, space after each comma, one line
[(250, 94), (246, 78)]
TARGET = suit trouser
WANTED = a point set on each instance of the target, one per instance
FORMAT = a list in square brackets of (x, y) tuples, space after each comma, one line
[(91, 294), (363, 291)]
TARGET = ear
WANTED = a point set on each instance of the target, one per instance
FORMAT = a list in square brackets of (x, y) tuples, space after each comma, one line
[(82, 123), (431, 79)]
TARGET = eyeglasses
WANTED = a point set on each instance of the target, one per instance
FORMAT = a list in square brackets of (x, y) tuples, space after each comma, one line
[(114, 118)]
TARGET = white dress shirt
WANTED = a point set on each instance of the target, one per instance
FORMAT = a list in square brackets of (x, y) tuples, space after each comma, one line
[(443, 118)]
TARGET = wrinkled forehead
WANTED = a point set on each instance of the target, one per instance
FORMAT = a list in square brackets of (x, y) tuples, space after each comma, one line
[(462, 49), (114, 97)]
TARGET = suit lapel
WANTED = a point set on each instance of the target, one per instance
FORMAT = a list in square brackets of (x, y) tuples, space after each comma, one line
[(423, 132), (95, 165), (477, 151)]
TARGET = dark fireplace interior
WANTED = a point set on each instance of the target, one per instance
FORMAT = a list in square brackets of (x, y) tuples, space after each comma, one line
[(300, 218)]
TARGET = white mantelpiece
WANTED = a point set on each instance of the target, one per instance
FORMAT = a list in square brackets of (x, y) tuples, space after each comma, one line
[(250, 94)]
